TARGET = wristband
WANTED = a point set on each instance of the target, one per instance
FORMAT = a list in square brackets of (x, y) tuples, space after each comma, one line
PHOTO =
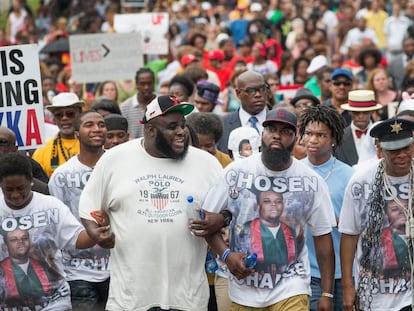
[(329, 295), (225, 254)]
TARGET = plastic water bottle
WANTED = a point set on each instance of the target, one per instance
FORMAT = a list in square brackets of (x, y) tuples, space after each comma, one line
[(193, 211), (250, 261), (194, 208), (211, 263)]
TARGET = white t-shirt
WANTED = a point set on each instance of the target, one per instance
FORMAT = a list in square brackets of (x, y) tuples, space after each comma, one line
[(66, 184), (306, 200), (394, 291), (156, 261), (51, 227)]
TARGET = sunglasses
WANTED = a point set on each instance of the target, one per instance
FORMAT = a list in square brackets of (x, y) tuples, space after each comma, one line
[(344, 83), (68, 114)]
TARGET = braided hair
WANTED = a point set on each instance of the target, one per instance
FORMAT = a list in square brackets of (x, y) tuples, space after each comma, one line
[(326, 115)]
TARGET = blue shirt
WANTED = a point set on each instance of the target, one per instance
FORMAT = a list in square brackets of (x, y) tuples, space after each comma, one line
[(337, 175)]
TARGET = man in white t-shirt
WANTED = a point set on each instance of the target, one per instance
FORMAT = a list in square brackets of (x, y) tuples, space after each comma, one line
[(142, 185), (373, 223), (281, 281), (87, 271)]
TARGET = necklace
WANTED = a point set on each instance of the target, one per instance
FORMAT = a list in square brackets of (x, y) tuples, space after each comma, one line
[(330, 170), (65, 156)]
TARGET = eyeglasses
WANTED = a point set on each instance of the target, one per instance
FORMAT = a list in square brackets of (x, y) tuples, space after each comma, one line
[(68, 114), (253, 90), (4, 143), (304, 105), (344, 83)]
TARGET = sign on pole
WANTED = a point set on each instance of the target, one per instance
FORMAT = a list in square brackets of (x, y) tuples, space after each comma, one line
[(152, 26), (21, 101), (100, 57)]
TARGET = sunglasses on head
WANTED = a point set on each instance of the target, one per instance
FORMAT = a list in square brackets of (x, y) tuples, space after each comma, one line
[(344, 83), (69, 114)]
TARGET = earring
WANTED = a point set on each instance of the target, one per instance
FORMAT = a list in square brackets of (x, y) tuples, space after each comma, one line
[(31, 184), (333, 145)]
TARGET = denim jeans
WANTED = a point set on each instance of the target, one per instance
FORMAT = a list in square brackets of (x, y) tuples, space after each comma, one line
[(89, 295), (317, 292)]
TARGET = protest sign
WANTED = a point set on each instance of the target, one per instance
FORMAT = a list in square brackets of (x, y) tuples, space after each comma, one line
[(152, 26), (21, 101), (100, 57)]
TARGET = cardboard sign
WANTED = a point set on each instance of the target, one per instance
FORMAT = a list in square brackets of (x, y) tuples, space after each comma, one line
[(152, 26), (100, 57), (21, 101)]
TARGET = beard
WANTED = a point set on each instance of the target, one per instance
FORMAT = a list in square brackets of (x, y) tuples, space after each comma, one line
[(162, 145), (276, 159)]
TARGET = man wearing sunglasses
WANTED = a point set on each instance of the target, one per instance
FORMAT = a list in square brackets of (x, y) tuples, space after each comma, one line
[(65, 108), (252, 92), (340, 84)]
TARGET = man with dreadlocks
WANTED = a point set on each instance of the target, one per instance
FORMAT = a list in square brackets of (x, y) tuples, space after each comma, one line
[(322, 130), (366, 224)]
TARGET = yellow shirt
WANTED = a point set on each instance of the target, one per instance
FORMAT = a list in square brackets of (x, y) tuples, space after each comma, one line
[(375, 21), (223, 158), (44, 155)]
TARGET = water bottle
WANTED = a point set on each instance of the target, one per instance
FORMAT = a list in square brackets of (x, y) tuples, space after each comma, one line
[(250, 261), (194, 208), (193, 211), (211, 263)]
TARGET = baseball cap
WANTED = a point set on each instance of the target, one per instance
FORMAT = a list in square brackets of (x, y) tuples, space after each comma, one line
[(216, 54), (281, 115), (317, 63), (65, 99), (341, 72), (209, 91), (256, 7), (161, 105), (188, 59), (394, 133), (115, 122)]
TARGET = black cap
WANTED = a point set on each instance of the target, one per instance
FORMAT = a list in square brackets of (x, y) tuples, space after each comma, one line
[(304, 93), (281, 115), (394, 133), (209, 91)]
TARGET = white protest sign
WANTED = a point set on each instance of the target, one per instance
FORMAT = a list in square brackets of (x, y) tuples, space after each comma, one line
[(152, 26), (100, 57), (21, 101)]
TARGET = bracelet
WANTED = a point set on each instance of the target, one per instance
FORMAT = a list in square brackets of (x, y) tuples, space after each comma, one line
[(329, 295), (225, 254)]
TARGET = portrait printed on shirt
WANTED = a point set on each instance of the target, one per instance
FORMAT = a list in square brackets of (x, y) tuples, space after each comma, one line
[(29, 278), (269, 220), (392, 253)]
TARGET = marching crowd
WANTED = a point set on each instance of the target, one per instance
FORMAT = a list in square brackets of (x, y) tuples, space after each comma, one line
[(281, 129)]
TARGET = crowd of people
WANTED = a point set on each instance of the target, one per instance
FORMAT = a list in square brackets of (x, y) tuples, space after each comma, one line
[(279, 128)]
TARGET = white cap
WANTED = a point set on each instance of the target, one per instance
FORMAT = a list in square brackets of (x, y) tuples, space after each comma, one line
[(256, 7), (317, 63), (222, 36), (205, 6)]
